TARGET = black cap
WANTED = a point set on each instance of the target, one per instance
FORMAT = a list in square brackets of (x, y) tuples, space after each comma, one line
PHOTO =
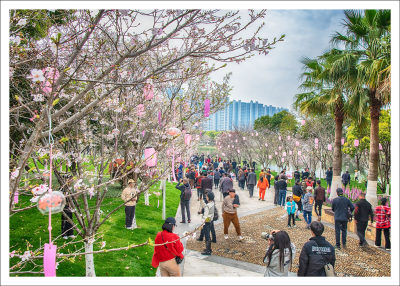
[(232, 190), (170, 220), (339, 191)]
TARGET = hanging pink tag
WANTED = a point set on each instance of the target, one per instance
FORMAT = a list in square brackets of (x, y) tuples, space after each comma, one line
[(206, 107), (49, 260), (148, 92), (150, 156), (16, 194), (188, 138), (159, 118)]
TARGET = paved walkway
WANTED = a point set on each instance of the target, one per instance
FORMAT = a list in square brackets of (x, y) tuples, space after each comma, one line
[(197, 265)]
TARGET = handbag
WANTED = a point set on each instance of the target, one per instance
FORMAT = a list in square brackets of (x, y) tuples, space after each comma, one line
[(177, 258), (328, 267), (296, 198)]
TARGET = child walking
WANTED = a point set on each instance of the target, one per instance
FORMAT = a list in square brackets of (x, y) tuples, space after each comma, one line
[(291, 210)]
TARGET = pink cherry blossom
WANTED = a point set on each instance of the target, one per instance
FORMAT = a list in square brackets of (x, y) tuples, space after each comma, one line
[(26, 255), (39, 190), (91, 192), (22, 22), (15, 174), (36, 75), (38, 97), (140, 110)]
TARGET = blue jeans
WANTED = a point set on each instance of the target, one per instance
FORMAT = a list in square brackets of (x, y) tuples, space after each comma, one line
[(282, 197), (307, 216)]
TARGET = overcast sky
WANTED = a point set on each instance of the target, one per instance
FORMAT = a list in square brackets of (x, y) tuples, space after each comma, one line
[(274, 79)]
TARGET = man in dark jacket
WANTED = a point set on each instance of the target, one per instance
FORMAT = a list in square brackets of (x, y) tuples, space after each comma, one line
[(192, 177), (298, 192), (316, 253), (215, 164), (319, 196), (234, 164), (282, 191), (206, 183), (185, 202), (217, 177), (296, 175), (329, 175), (276, 187), (346, 179), (362, 213), (305, 174), (251, 182), (225, 185), (342, 207)]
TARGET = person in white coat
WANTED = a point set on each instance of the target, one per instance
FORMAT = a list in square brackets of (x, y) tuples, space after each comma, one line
[(280, 254)]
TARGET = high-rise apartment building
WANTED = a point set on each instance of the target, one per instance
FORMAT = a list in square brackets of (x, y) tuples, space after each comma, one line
[(239, 114)]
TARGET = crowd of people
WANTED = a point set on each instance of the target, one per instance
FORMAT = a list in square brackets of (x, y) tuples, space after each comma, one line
[(317, 257)]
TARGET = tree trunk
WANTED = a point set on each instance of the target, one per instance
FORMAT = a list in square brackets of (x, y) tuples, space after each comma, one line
[(90, 271), (337, 152), (375, 106), (358, 157)]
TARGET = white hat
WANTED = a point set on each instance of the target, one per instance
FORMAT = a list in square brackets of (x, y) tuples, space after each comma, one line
[(309, 188)]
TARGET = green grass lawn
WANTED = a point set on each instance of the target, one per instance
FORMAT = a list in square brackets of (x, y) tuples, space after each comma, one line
[(30, 227), (207, 149)]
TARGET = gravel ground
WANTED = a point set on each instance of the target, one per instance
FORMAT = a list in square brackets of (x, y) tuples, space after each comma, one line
[(353, 261)]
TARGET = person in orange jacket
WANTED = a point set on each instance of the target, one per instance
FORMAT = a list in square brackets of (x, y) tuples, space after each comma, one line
[(262, 185)]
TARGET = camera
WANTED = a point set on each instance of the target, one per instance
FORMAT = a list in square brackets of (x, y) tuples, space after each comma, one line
[(267, 235)]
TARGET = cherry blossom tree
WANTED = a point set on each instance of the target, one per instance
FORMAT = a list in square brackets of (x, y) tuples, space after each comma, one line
[(109, 83)]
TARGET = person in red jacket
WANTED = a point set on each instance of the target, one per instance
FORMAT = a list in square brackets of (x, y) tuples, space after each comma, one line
[(382, 218), (164, 255)]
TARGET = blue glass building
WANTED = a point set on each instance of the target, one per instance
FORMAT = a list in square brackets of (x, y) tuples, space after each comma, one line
[(239, 114)]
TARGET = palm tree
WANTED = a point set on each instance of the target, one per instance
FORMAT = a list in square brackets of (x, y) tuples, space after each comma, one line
[(367, 39), (325, 93)]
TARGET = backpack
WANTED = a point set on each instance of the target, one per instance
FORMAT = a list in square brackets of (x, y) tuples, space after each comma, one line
[(187, 193), (215, 213), (310, 200)]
